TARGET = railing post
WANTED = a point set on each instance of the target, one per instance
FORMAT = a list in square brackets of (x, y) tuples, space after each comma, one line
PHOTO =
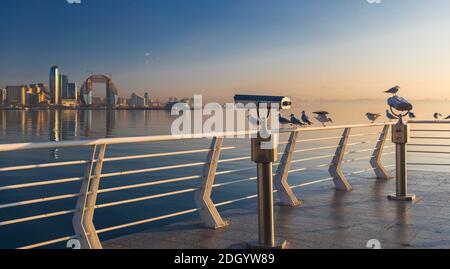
[(400, 136), (376, 161), (83, 218), (207, 210), (287, 196), (339, 179)]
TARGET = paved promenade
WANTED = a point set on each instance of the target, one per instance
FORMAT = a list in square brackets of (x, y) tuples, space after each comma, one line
[(328, 219)]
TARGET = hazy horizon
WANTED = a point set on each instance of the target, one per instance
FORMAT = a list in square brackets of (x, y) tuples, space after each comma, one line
[(309, 50)]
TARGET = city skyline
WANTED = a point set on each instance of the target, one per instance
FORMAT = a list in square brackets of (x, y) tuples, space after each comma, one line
[(305, 49)]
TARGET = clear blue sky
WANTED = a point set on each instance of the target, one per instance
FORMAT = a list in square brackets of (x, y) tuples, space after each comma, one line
[(306, 48)]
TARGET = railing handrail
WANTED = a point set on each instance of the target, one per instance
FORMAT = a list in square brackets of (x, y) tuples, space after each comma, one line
[(429, 121), (163, 138)]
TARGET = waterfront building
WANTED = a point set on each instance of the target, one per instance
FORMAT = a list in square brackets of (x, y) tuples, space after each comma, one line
[(54, 84), (36, 94), (16, 95), (147, 100), (69, 103), (137, 101), (64, 86), (122, 102), (2, 96), (72, 91)]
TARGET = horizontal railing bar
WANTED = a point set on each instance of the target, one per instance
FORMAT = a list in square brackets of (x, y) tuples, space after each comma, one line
[(148, 184), (40, 200), (428, 152), (154, 169), (50, 242), (428, 145), (146, 221), (313, 158), (234, 182), (319, 139), (362, 143), (37, 217), (361, 135), (429, 122), (360, 151), (39, 166), (164, 154), (234, 160), (42, 183), (163, 138), (145, 198), (312, 149), (431, 137), (431, 130), (429, 164)]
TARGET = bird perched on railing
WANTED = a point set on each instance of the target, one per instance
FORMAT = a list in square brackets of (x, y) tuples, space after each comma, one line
[(373, 116), (448, 117), (322, 117), (296, 121), (393, 90), (437, 116), (411, 115), (305, 118), (390, 116), (283, 121)]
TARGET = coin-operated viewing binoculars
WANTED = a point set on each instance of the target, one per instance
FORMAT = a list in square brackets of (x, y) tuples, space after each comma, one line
[(400, 107), (264, 153)]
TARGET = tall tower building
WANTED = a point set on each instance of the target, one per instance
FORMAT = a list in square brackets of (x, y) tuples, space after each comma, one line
[(63, 85), (54, 84)]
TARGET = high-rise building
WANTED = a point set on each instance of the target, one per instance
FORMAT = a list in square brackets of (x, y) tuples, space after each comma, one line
[(64, 86), (2, 96), (16, 95), (54, 84), (148, 101), (36, 94), (137, 101), (72, 91)]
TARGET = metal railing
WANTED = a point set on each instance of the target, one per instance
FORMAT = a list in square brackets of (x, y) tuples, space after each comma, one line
[(86, 204), (426, 143)]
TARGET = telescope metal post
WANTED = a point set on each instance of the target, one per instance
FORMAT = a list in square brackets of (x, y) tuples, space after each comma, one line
[(400, 136), (264, 159)]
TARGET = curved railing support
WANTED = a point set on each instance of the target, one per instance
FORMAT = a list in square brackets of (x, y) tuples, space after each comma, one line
[(376, 161), (287, 196), (207, 210), (339, 179), (83, 223)]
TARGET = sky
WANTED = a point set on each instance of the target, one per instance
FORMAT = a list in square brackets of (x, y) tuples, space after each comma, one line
[(305, 49)]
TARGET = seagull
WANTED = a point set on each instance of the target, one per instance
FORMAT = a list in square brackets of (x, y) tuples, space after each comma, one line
[(448, 118), (306, 119), (322, 117), (296, 121), (411, 115), (284, 120), (437, 115), (390, 116), (252, 120), (393, 90), (373, 116)]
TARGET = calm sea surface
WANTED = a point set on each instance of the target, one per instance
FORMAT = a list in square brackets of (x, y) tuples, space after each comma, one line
[(43, 126)]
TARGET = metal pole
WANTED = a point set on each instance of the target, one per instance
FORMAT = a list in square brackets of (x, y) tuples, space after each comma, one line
[(264, 159), (400, 136), (265, 205)]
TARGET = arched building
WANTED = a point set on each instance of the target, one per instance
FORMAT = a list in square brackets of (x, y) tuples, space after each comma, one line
[(111, 90)]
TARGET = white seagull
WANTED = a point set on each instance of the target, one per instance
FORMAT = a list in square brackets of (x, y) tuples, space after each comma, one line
[(296, 121), (393, 90), (373, 116), (305, 118), (322, 117), (390, 116)]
